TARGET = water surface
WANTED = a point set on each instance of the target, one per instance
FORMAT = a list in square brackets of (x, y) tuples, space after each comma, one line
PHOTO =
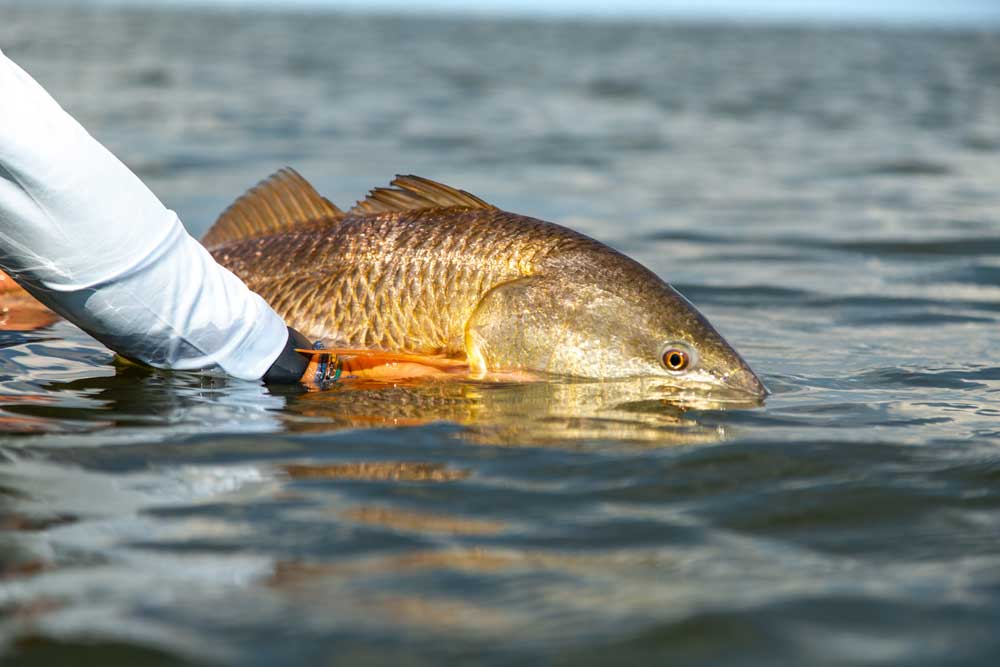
[(827, 197)]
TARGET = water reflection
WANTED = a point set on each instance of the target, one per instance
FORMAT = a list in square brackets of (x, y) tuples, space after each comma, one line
[(79, 397), (147, 404), (515, 414)]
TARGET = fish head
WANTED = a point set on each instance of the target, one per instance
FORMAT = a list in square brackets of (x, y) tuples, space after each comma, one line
[(693, 355), (587, 327)]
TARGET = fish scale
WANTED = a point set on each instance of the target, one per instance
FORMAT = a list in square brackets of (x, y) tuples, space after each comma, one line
[(380, 284)]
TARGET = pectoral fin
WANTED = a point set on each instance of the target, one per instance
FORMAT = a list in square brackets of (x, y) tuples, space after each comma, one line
[(330, 365)]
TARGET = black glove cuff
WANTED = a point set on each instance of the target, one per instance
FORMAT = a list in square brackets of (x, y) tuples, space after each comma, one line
[(290, 365)]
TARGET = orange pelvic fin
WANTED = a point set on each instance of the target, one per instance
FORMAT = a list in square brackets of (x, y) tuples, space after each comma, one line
[(331, 365)]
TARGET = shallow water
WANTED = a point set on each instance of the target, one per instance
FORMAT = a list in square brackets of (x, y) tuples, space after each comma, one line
[(827, 197)]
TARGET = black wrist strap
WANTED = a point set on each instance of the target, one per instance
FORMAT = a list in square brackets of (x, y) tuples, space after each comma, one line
[(290, 365)]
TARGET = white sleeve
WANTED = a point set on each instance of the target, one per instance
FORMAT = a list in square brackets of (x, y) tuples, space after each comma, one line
[(83, 234)]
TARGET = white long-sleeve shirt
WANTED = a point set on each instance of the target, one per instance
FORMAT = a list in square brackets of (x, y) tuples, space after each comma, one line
[(88, 239)]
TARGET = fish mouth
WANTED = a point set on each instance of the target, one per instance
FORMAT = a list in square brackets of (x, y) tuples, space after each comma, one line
[(744, 381), (740, 387)]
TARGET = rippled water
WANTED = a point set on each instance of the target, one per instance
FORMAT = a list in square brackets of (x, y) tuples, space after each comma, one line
[(829, 198)]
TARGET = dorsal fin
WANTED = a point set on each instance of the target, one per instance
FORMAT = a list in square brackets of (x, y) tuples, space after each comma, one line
[(279, 202), (413, 193)]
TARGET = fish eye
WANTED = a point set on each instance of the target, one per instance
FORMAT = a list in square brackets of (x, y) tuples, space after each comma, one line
[(675, 360), (677, 357)]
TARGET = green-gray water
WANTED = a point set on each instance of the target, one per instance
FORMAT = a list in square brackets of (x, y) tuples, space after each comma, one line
[(829, 198)]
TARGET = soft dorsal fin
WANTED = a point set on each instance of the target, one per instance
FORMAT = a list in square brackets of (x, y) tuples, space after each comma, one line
[(413, 193), (279, 202)]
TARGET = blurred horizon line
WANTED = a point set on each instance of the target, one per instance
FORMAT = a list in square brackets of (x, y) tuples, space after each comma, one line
[(891, 13)]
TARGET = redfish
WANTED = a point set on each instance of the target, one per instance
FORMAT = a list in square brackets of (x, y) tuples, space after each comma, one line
[(430, 272)]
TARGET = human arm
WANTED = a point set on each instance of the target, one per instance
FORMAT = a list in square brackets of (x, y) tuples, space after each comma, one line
[(83, 235)]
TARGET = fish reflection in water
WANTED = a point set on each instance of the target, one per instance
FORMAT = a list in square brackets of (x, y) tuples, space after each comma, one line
[(522, 414), (547, 411)]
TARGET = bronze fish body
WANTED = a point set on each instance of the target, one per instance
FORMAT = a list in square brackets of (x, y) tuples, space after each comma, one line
[(426, 269)]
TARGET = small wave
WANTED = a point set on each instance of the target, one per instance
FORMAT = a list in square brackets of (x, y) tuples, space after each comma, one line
[(918, 377), (743, 295), (957, 246), (615, 88), (911, 167), (976, 274), (150, 77), (920, 319), (905, 247)]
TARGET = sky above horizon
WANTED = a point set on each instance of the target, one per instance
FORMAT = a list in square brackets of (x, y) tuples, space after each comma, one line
[(878, 11)]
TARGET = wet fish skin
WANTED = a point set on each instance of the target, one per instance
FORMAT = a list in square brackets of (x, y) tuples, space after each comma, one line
[(397, 281), (502, 290)]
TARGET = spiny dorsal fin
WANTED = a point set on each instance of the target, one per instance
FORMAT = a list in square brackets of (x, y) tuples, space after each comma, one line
[(413, 193), (279, 202)]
